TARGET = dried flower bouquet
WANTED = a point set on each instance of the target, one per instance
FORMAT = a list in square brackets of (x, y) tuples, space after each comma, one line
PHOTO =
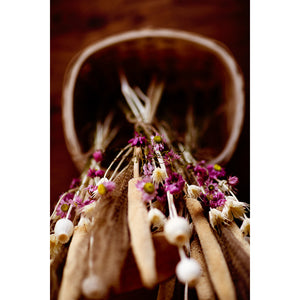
[(153, 186)]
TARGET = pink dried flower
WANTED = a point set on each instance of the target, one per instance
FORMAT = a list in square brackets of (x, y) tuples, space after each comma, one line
[(99, 173), (64, 205), (174, 183), (157, 142), (75, 183), (216, 171), (98, 156), (218, 200), (138, 140), (148, 169), (147, 188), (91, 173), (233, 181), (211, 187)]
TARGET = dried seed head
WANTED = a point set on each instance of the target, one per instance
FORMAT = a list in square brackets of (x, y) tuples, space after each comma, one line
[(177, 231), (63, 230), (245, 228), (156, 217), (93, 288), (216, 218), (234, 208), (159, 175), (188, 271), (194, 191)]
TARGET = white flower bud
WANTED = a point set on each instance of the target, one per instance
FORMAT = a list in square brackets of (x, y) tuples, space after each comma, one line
[(63, 230), (194, 191), (156, 217), (188, 270), (92, 287), (159, 175), (177, 231)]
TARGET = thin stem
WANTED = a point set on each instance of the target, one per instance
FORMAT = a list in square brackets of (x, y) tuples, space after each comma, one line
[(120, 163), (119, 154)]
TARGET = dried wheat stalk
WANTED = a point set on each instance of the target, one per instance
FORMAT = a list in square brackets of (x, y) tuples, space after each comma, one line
[(75, 267), (204, 286), (238, 261), (111, 237), (166, 289), (216, 264), (140, 235)]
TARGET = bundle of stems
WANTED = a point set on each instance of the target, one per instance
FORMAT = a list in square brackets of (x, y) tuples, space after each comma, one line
[(154, 184)]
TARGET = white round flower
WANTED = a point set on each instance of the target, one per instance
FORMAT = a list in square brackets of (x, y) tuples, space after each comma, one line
[(177, 231), (63, 230), (92, 287), (156, 217), (188, 270)]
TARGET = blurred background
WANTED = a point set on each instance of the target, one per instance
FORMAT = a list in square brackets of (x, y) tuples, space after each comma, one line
[(76, 23)]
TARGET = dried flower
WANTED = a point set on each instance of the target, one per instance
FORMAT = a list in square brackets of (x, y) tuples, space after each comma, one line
[(245, 228), (201, 173), (174, 183), (75, 183), (194, 191), (99, 173), (147, 188), (159, 175), (216, 218), (218, 200), (91, 173), (106, 187), (233, 181), (148, 169), (93, 287), (138, 140), (64, 205), (215, 171), (63, 230), (234, 208), (188, 271), (211, 187), (177, 231), (157, 142), (98, 156)]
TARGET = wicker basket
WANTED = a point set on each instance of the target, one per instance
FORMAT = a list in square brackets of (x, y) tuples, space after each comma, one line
[(197, 71)]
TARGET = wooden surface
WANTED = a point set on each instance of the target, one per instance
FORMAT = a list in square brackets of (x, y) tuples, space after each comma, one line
[(77, 23)]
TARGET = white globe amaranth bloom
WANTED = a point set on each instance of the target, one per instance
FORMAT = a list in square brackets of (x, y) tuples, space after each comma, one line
[(92, 287), (63, 230), (188, 270), (177, 231)]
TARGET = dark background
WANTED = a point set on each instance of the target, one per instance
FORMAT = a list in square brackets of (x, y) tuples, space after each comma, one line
[(76, 23)]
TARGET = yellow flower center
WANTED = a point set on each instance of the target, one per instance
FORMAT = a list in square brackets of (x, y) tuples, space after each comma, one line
[(101, 189), (157, 139), (217, 167), (149, 188), (64, 207), (211, 187)]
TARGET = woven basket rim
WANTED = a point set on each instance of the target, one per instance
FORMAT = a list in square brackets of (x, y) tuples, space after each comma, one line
[(213, 46)]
